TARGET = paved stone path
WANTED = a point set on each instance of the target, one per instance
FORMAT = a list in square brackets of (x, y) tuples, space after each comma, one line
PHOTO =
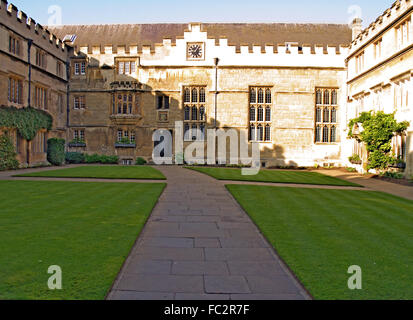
[(200, 244)]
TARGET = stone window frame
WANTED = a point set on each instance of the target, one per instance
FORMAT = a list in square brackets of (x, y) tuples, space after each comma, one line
[(403, 33), (79, 134), (15, 45), (39, 143), (41, 58), (41, 96), (79, 102), (118, 103), (15, 90), (195, 111), (260, 103), (326, 115), (79, 67), (126, 133)]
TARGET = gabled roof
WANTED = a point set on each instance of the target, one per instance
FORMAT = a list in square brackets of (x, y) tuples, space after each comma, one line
[(236, 33)]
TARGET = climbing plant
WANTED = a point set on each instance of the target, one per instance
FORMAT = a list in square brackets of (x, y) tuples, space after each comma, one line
[(7, 154), (379, 129), (27, 121)]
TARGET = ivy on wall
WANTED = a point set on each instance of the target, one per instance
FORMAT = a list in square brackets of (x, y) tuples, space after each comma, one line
[(379, 129), (27, 121)]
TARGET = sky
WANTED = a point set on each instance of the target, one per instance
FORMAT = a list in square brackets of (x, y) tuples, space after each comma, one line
[(184, 11)]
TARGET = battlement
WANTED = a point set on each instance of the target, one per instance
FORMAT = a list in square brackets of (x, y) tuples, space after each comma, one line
[(388, 17), (28, 28)]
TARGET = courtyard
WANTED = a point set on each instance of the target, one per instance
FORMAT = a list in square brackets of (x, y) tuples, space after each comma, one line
[(174, 233)]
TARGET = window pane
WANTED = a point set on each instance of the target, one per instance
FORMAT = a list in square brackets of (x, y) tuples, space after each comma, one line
[(260, 114), (187, 96), (252, 133), (268, 96), (202, 113), (252, 114), (333, 115), (202, 95), (333, 134), (194, 95), (186, 132), (334, 97), (260, 96), (325, 134), (318, 115), (187, 111), (326, 115), (318, 97), (260, 133), (253, 96), (326, 97), (194, 113), (318, 134), (267, 133), (166, 102), (268, 114)]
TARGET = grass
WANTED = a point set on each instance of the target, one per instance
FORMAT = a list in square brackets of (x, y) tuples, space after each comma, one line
[(276, 176), (320, 233), (86, 228), (102, 172)]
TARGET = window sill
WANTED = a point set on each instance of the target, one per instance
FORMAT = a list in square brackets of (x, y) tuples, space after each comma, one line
[(77, 145), (124, 145)]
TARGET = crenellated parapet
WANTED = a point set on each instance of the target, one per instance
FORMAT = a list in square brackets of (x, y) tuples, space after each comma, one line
[(27, 28), (175, 53), (387, 19)]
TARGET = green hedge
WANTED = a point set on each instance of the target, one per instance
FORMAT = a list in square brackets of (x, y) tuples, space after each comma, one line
[(7, 154), (75, 157), (56, 151), (96, 158), (27, 121), (140, 162)]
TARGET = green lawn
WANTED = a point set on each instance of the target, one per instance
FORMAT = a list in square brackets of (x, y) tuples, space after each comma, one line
[(277, 176), (320, 233), (103, 172), (88, 229)]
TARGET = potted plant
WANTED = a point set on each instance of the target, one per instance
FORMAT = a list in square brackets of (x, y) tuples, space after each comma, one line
[(355, 159), (77, 142), (125, 143)]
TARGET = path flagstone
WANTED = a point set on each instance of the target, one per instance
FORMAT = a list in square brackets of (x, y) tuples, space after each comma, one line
[(199, 244)]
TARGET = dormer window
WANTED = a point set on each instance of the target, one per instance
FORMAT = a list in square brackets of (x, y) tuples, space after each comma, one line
[(126, 67)]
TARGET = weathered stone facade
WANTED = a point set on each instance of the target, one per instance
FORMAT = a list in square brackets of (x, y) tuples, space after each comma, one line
[(19, 63), (126, 81)]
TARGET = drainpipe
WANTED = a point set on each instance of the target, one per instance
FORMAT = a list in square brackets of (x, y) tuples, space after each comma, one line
[(216, 61), (29, 102), (67, 93), (29, 46)]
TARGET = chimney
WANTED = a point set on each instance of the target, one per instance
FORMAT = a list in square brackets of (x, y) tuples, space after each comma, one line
[(356, 27)]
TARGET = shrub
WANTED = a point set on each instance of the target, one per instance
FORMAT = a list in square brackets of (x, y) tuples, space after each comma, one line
[(379, 129), (95, 158), (140, 162), (56, 151), (7, 154), (394, 175), (75, 157)]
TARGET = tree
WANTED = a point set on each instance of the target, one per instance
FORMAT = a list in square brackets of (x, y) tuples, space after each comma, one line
[(379, 129), (7, 154)]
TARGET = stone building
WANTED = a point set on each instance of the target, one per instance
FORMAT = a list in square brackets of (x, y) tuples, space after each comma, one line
[(32, 73), (380, 69), (293, 87)]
